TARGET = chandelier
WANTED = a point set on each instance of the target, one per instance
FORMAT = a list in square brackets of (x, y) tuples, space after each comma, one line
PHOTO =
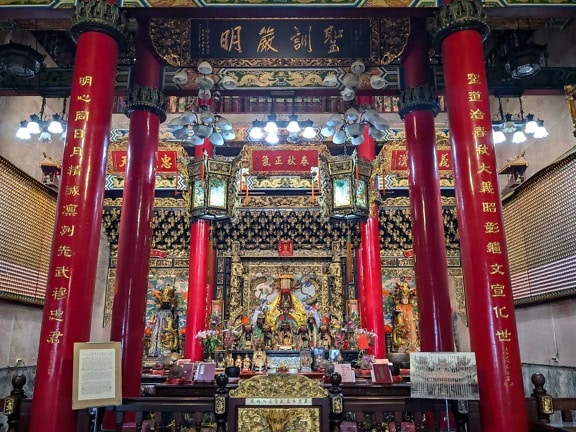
[(517, 125), (524, 59), (20, 60), (44, 128), (349, 126), (192, 128), (271, 129)]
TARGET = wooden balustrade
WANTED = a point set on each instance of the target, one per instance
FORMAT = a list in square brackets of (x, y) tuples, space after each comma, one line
[(371, 407)]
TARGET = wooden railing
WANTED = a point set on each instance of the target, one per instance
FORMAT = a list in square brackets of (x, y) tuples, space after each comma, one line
[(371, 407)]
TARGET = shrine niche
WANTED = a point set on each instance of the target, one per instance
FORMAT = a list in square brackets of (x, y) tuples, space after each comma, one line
[(315, 288)]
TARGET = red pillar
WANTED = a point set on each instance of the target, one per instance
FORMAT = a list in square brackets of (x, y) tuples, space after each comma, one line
[(70, 289), (197, 308), (418, 107), (145, 112), (493, 332), (372, 277)]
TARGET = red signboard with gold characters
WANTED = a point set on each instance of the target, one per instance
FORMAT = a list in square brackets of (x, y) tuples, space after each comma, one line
[(397, 160), (285, 160), (166, 162)]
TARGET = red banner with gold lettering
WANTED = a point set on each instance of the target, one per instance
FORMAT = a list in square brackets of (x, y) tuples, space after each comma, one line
[(282, 160), (399, 160), (165, 161)]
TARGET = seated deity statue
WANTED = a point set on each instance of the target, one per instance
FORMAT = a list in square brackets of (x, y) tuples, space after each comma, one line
[(285, 334), (246, 363), (246, 338), (229, 359), (238, 361), (259, 360)]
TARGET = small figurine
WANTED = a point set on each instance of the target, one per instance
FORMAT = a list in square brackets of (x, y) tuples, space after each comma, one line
[(229, 359), (238, 361), (259, 360), (246, 363)]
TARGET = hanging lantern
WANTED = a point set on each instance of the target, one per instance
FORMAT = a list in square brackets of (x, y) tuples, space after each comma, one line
[(210, 179), (350, 176)]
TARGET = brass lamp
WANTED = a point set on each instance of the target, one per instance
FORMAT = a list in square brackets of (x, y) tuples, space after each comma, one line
[(349, 176), (210, 180)]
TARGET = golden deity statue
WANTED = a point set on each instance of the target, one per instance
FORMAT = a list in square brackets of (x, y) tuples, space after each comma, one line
[(286, 314), (405, 332)]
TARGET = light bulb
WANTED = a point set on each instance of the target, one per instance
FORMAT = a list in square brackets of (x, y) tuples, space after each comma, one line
[(45, 136)]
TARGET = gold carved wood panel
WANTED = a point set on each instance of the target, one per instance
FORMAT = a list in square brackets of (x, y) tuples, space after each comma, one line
[(312, 282)]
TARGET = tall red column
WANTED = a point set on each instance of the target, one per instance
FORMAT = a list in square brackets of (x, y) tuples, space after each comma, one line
[(146, 112), (197, 307), (418, 107), (493, 334), (72, 273), (371, 294)]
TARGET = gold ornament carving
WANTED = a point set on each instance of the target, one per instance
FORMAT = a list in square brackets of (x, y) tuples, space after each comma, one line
[(279, 386), (171, 39), (456, 273), (220, 404), (337, 406), (279, 202), (393, 37), (278, 419)]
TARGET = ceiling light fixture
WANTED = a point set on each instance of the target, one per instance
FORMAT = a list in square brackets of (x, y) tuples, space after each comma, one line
[(38, 125), (192, 128), (518, 125), (272, 129), (349, 126), (524, 59), (20, 60)]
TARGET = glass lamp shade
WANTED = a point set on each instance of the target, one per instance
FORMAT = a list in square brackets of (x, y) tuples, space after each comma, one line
[(541, 131), (518, 137), (256, 133), (272, 138), (309, 133), (210, 180), (55, 125), (22, 132), (498, 136), (34, 125), (293, 126), (271, 127), (531, 124), (350, 177)]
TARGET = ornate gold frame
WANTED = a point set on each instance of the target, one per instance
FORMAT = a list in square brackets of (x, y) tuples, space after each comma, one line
[(243, 274)]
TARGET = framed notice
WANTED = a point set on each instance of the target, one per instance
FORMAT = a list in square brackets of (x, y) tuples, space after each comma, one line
[(97, 378)]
